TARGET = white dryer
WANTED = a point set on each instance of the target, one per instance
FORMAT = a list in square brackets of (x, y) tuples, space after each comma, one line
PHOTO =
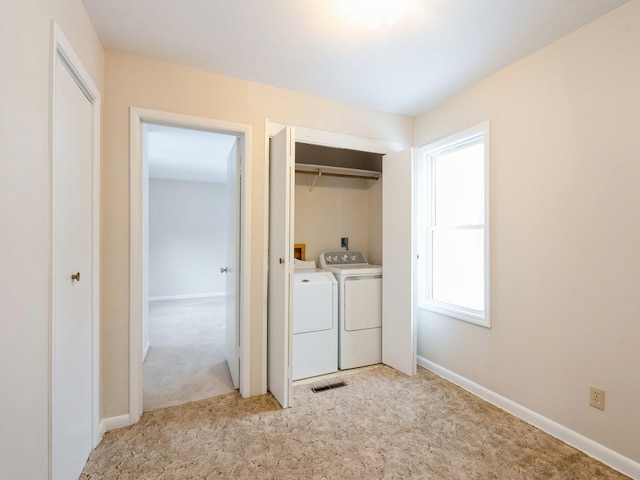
[(315, 322), (359, 307)]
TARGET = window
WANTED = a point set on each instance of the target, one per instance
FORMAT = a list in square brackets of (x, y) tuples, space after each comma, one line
[(453, 234)]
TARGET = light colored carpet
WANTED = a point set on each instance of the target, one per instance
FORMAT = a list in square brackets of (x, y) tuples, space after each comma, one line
[(382, 425), (186, 361)]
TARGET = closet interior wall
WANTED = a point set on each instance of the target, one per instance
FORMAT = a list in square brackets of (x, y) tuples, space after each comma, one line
[(329, 207)]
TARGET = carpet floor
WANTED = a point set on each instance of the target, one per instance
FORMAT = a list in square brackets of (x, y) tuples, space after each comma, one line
[(186, 361), (381, 425)]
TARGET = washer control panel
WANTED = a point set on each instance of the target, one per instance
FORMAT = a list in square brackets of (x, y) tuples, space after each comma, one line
[(341, 257)]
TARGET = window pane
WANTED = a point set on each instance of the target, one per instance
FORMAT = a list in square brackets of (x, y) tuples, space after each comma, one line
[(459, 186), (458, 267)]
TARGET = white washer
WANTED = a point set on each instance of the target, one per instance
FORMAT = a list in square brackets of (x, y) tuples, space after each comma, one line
[(315, 322), (359, 307)]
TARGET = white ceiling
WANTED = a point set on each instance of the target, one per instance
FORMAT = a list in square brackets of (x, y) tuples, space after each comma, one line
[(182, 154), (435, 49)]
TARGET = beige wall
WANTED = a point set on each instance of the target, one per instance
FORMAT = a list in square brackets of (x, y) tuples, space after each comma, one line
[(25, 56), (565, 265), (375, 224), (335, 208), (146, 83)]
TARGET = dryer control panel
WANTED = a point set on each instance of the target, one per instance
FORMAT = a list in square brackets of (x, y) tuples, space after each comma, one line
[(342, 257)]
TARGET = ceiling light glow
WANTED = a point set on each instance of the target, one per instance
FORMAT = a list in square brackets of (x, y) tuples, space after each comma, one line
[(372, 13)]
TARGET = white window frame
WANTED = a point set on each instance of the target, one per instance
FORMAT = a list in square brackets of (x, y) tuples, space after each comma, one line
[(427, 154)]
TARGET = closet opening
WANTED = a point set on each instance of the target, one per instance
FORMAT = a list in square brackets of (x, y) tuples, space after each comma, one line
[(189, 247), (337, 311)]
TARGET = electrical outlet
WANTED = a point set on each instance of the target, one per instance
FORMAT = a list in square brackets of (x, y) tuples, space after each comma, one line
[(344, 242), (596, 398)]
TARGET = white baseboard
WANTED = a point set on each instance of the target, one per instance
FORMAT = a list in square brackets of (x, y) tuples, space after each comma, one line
[(111, 423), (599, 452), (187, 297)]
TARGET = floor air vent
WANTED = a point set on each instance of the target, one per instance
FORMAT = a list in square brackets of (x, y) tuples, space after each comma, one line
[(328, 387)]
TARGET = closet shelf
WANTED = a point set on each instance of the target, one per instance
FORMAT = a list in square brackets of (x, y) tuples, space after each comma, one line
[(322, 170)]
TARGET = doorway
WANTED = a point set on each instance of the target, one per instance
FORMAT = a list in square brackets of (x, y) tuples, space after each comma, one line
[(191, 198), (398, 325), (232, 273)]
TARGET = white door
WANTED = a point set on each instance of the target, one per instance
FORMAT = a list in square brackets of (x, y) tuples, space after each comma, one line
[(231, 268), (398, 254), (279, 334), (72, 298)]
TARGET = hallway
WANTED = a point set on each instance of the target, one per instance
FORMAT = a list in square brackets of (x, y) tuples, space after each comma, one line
[(186, 360)]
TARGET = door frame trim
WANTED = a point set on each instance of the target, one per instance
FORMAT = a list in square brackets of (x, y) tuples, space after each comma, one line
[(61, 49), (138, 292), (335, 140)]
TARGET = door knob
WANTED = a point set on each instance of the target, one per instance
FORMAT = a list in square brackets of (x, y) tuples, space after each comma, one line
[(75, 276), (224, 270), (282, 260)]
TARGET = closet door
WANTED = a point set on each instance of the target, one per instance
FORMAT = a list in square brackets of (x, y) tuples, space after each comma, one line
[(280, 289), (398, 258), (72, 323)]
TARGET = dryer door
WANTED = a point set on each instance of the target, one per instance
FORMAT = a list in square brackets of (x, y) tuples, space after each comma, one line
[(362, 297)]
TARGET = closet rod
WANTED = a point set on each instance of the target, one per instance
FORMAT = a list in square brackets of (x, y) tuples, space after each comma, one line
[(344, 175)]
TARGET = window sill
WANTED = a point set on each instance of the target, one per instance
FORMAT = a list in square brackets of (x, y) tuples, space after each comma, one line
[(459, 313)]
